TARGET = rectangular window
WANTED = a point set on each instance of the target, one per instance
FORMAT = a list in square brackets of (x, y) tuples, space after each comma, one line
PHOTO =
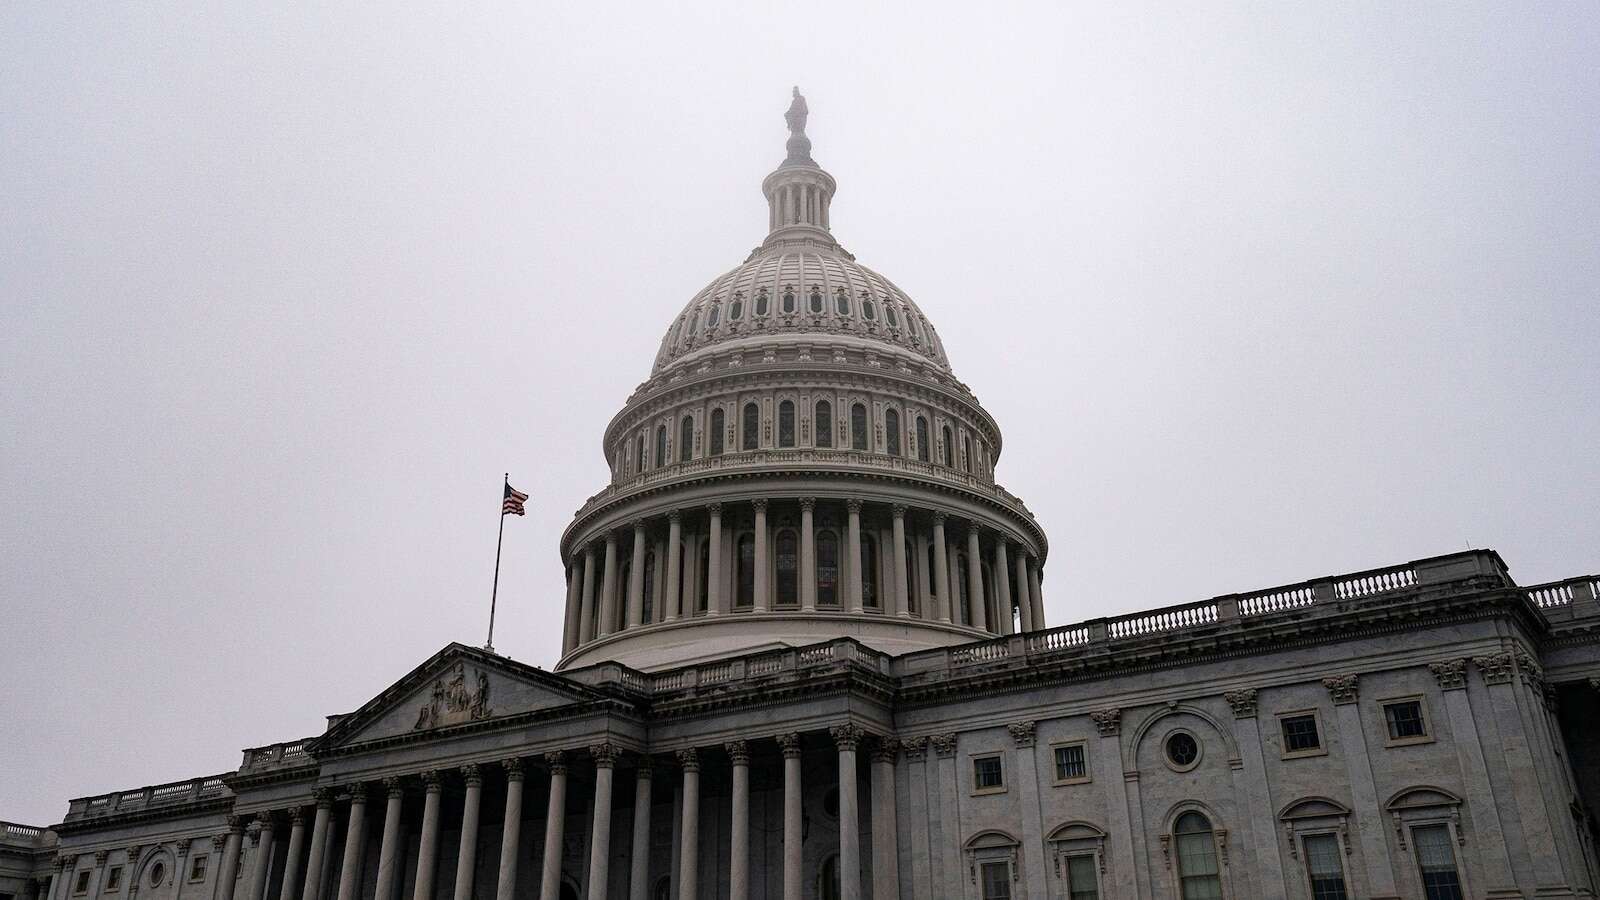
[(197, 869), (987, 774), (114, 879), (1300, 733), (1437, 861), (996, 881), (1324, 867), (82, 885), (1072, 763), (1405, 721), (1082, 875)]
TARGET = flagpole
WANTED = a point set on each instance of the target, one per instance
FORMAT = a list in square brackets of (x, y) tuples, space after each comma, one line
[(494, 592)]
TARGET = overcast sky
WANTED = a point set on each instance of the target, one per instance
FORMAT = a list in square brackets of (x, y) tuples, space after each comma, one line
[(1258, 293)]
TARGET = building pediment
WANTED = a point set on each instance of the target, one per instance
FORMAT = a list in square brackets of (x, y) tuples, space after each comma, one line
[(459, 686)]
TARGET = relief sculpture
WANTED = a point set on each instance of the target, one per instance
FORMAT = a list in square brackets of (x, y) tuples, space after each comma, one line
[(453, 702)]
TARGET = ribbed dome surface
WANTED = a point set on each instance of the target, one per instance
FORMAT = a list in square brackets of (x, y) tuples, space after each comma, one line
[(787, 292)]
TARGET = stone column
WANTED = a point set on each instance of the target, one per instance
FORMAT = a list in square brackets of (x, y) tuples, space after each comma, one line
[(355, 838), (853, 600), (574, 609), (261, 870), (228, 871), (467, 856), (291, 854), (1002, 588), (674, 563), (316, 854), (639, 876), (739, 842), (605, 761), (636, 578), (1253, 786), (763, 590), (1036, 596), (714, 598), (980, 613), (922, 812), (218, 841), (689, 862), (510, 832), (902, 588), (808, 555), (846, 737), (792, 815), (586, 611), (428, 846), (885, 824), (1498, 671), (941, 568), (608, 587), (61, 888), (1368, 815), (555, 825), (1024, 603), (391, 852)]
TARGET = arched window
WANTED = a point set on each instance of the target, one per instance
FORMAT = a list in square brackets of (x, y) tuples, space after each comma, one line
[(891, 430), (683, 575), (704, 593), (948, 448), (747, 571), (827, 568), (933, 573), (625, 573), (841, 302), (1198, 874), (694, 324), (788, 568), (911, 323), (824, 424), (686, 439), (869, 571), (716, 431), (922, 438), (663, 888), (649, 587), (991, 602), (869, 310), (786, 424), (761, 303), (966, 452), (889, 314), (661, 446), (736, 308), (961, 589), (816, 301), (911, 577), (639, 456), (828, 879), (752, 427), (858, 427), (712, 316), (788, 301)]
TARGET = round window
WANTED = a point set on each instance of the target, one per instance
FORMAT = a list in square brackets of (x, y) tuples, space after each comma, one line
[(1182, 750), (158, 873)]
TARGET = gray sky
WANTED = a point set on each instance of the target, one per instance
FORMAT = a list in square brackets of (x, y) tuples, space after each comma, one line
[(1258, 293)]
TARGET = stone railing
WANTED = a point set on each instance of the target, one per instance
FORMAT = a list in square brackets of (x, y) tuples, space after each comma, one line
[(1564, 594), (273, 756), (757, 667), (24, 835), (192, 791)]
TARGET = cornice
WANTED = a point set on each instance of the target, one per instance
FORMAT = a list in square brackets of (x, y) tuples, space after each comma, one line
[(135, 817), (581, 709)]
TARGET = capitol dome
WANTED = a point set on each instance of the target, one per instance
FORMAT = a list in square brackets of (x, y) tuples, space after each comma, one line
[(800, 465)]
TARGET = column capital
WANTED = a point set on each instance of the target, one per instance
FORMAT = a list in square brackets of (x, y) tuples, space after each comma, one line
[(853, 505), (297, 815), (885, 749), (605, 754), (975, 530), (323, 796), (252, 832), (689, 760), (1494, 668), (1107, 721), (738, 751), (1243, 703), (611, 538), (1451, 674), (68, 860), (1022, 733), (1343, 688), (791, 744), (759, 504), (235, 824), (394, 786), (807, 504), (846, 736), (432, 782), (266, 820), (217, 842), (472, 774), (357, 792), (939, 516), (556, 762), (916, 748), (645, 766), (714, 509), (133, 857), (944, 745), (638, 526), (513, 768), (676, 515), (898, 510)]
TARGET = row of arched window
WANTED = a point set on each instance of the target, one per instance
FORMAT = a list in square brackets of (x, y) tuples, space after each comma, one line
[(708, 317)]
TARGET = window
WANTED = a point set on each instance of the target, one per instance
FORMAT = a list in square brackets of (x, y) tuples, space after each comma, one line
[(661, 446), (869, 310), (888, 313), (816, 301), (158, 873), (786, 424), (923, 451), (752, 427), (114, 879), (736, 308), (1198, 875), (824, 424), (996, 881), (911, 323), (649, 608), (1072, 763), (962, 591), (891, 430), (1183, 751), (933, 573), (663, 888), (911, 578), (858, 426), (716, 432), (761, 303), (685, 439), (966, 452), (712, 316), (1082, 878), (1300, 733), (827, 568), (988, 774), (869, 571), (948, 448), (82, 884), (1405, 721), (694, 324), (1437, 861), (639, 456), (788, 301), (703, 595), (197, 868), (747, 571), (1324, 867), (828, 879), (788, 568), (841, 303)]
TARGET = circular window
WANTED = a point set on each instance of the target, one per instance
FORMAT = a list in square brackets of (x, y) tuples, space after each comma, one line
[(158, 873), (830, 803), (1183, 751)]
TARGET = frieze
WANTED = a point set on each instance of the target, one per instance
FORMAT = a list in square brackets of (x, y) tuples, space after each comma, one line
[(453, 701)]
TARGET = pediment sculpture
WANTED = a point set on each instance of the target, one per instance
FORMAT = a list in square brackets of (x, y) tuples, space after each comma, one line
[(454, 700)]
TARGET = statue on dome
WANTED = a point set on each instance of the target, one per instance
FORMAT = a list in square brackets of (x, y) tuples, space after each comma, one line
[(796, 116)]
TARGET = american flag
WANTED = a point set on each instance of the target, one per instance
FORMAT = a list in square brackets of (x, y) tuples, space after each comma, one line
[(513, 502)]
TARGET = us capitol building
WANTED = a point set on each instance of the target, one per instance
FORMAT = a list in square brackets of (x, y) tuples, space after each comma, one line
[(805, 656)]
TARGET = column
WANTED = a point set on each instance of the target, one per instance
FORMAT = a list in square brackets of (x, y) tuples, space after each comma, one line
[(228, 871), (261, 870), (922, 811), (674, 562), (608, 587), (316, 853), (510, 832), (639, 876), (1036, 595), (763, 591), (428, 847), (1002, 586), (355, 838), (792, 822), (980, 614), (1368, 815), (885, 826), (689, 860), (846, 737), (467, 856), (808, 555), (291, 855), (636, 578), (605, 761), (1251, 784), (739, 839), (586, 612), (569, 633), (555, 824), (853, 548), (63, 882), (714, 561), (391, 851), (941, 568), (1024, 602), (902, 588)]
